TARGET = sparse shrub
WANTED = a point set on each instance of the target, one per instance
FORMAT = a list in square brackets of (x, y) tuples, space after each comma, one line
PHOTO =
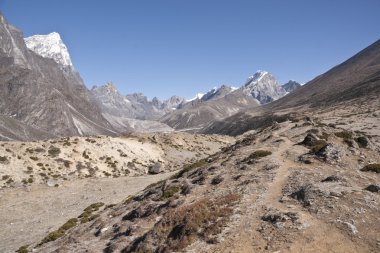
[(3, 159), (52, 236), (69, 224), (169, 192), (39, 150), (107, 174), (375, 167), (5, 177), (54, 151), (344, 135), (259, 154), (129, 199), (9, 181), (30, 180), (189, 167), (8, 150), (34, 158), (324, 136), (67, 163), (94, 207), (23, 249), (90, 140), (87, 216), (85, 155), (180, 227)]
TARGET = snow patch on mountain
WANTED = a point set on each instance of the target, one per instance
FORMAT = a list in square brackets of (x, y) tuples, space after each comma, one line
[(198, 96), (263, 87), (50, 46)]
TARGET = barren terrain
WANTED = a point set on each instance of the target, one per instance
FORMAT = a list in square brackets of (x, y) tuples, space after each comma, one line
[(55, 161), (298, 186)]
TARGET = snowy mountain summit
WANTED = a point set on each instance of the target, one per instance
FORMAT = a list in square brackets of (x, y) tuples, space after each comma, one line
[(50, 46), (263, 87)]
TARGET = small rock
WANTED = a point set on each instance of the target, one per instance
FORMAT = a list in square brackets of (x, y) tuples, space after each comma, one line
[(332, 178), (336, 194), (185, 189), (243, 167), (364, 142), (373, 188), (217, 180), (351, 143)]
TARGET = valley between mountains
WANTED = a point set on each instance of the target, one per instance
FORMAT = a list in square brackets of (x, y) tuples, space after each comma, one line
[(262, 167)]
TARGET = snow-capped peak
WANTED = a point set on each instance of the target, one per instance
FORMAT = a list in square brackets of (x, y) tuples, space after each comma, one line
[(50, 46), (198, 96), (257, 76)]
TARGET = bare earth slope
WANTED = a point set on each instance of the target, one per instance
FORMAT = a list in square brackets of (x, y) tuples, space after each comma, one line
[(45, 183), (273, 190)]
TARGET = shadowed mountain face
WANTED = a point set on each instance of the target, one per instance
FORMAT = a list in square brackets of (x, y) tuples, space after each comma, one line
[(291, 86), (42, 94), (357, 79)]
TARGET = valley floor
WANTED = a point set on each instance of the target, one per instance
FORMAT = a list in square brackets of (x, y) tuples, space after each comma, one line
[(29, 213)]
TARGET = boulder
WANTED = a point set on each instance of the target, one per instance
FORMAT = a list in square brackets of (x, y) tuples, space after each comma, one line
[(155, 169), (310, 140), (330, 153)]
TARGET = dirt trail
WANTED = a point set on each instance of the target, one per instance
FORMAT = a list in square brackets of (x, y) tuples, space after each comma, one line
[(318, 236), (28, 214), (313, 236)]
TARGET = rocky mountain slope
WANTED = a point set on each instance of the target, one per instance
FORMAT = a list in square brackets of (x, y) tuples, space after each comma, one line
[(134, 106), (133, 112), (37, 92), (263, 87), (219, 103), (298, 186), (196, 114), (291, 86), (355, 81)]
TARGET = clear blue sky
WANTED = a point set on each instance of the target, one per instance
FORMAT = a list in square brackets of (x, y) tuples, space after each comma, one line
[(166, 47)]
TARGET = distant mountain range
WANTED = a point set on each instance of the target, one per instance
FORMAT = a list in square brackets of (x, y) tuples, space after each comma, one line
[(42, 95)]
